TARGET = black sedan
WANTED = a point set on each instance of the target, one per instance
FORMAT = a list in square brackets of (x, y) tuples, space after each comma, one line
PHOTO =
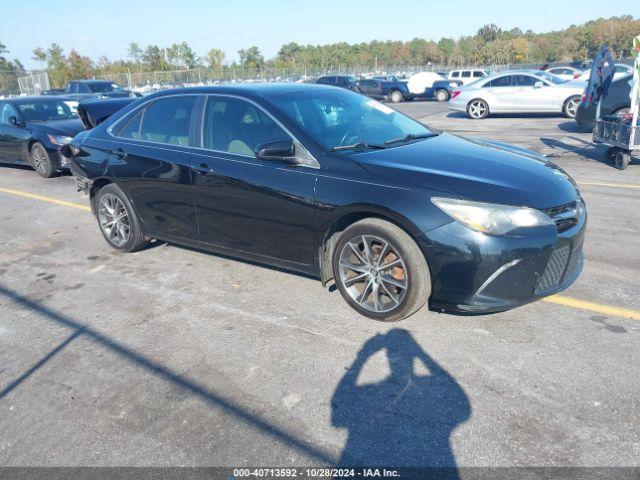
[(328, 182), (32, 130), (616, 102)]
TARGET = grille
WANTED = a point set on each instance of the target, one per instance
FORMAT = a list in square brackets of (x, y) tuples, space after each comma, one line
[(565, 216), (555, 268)]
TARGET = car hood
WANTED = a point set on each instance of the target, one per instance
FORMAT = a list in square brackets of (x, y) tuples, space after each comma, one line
[(476, 170), (69, 128)]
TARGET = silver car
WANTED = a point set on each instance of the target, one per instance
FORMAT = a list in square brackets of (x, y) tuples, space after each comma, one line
[(521, 91)]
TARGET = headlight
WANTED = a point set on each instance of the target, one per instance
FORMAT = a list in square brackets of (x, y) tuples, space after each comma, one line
[(59, 139), (491, 218)]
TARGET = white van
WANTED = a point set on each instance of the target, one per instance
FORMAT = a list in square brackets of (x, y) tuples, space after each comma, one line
[(466, 76)]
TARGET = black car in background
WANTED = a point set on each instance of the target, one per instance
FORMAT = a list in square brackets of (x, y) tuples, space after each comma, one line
[(328, 182), (617, 101), (32, 130), (343, 81), (82, 89)]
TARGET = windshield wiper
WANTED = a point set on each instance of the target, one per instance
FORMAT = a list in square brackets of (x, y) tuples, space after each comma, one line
[(411, 136), (359, 145)]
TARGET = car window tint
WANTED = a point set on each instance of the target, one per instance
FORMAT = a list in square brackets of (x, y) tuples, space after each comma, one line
[(6, 111), (455, 74), (478, 74), (167, 120), (466, 74), (525, 81), (499, 82), (131, 129), (237, 126)]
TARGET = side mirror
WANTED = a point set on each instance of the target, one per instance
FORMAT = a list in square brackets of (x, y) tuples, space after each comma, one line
[(281, 150), (13, 120), (538, 84)]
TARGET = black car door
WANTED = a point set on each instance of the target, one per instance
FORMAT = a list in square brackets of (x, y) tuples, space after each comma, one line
[(11, 135), (245, 204), (150, 157)]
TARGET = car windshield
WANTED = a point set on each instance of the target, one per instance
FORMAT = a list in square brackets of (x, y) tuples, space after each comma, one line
[(339, 118), (43, 111), (549, 77), (104, 87)]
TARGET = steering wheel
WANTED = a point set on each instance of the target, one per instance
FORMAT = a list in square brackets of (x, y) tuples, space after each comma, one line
[(348, 133)]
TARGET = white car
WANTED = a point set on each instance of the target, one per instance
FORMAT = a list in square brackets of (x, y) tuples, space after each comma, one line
[(566, 73), (466, 76), (619, 71), (519, 91)]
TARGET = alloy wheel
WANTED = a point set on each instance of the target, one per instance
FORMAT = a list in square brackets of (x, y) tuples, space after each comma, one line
[(478, 109), (114, 219), (373, 273), (572, 107), (39, 160)]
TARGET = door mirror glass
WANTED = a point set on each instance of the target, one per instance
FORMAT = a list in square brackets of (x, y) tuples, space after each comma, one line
[(279, 150), (538, 84)]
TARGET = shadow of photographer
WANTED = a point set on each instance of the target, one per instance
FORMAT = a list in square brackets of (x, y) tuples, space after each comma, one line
[(404, 420)]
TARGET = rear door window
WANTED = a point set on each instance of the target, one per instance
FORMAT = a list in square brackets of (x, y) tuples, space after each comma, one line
[(499, 82), (466, 74), (166, 120), (478, 74), (525, 81)]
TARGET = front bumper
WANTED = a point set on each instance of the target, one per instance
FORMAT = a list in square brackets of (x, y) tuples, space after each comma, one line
[(473, 273)]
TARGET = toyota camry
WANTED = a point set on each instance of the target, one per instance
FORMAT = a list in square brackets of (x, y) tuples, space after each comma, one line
[(331, 183)]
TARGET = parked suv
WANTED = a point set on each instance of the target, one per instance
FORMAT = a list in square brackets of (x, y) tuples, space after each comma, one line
[(343, 81), (466, 76)]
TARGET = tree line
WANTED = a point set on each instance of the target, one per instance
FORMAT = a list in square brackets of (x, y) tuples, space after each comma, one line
[(490, 45)]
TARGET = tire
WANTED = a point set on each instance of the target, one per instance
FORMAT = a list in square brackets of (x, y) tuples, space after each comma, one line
[(386, 295), (442, 95), (395, 96), (127, 236), (622, 160), (477, 109), (570, 107), (41, 161)]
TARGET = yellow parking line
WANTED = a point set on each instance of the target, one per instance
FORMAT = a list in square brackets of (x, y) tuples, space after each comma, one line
[(594, 307), (42, 198), (613, 185), (556, 299)]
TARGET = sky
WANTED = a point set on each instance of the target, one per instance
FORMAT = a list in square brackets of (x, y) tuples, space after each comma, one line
[(106, 27)]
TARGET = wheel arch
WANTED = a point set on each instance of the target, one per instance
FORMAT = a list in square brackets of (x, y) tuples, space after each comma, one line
[(347, 218), (96, 185)]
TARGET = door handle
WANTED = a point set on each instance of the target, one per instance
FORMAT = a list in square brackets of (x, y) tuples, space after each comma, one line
[(118, 152), (202, 169)]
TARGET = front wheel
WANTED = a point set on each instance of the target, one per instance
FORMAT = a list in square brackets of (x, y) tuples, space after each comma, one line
[(380, 271), (118, 221), (477, 109), (40, 161), (571, 107)]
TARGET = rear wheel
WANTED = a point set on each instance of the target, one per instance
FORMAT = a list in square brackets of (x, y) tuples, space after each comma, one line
[(442, 95), (40, 161), (477, 109), (571, 106), (118, 221), (395, 96), (622, 160), (380, 271)]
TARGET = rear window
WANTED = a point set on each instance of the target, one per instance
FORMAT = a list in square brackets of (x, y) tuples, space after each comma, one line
[(466, 74), (455, 74)]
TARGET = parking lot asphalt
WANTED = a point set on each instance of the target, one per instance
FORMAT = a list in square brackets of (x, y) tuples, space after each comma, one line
[(171, 356)]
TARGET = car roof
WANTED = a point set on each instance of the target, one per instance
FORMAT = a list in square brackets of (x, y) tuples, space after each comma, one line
[(253, 90), (91, 81), (36, 99)]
